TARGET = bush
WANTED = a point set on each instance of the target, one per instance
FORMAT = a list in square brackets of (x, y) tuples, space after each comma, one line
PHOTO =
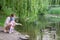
[(7, 10), (55, 10)]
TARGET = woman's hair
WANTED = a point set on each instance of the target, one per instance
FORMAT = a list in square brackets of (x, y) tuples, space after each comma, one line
[(12, 15)]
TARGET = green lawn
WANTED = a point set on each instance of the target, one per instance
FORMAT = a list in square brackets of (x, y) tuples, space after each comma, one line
[(2, 20)]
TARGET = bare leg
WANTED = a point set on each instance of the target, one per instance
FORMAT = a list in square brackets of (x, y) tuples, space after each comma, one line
[(11, 29)]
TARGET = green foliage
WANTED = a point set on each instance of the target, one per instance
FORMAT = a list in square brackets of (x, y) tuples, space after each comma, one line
[(7, 11), (2, 20), (55, 10)]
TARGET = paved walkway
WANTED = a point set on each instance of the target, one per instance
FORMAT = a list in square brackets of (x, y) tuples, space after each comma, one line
[(13, 36), (7, 36)]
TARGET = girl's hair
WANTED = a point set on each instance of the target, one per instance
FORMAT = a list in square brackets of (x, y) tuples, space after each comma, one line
[(12, 15)]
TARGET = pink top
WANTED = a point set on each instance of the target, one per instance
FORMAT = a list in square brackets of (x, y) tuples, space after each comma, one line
[(12, 23)]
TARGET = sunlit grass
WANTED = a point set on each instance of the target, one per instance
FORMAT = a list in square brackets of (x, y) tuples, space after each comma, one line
[(2, 20)]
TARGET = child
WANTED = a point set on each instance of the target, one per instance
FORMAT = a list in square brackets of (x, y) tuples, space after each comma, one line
[(7, 23), (12, 22)]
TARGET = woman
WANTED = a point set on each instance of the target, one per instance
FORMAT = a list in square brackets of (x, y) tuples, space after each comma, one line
[(12, 25), (7, 22)]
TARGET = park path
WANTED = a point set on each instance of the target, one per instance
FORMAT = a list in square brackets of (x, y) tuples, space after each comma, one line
[(13, 36)]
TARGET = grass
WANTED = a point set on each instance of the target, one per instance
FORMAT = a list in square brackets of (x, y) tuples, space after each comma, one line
[(2, 20)]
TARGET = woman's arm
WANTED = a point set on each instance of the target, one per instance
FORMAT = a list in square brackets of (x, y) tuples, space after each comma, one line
[(18, 24)]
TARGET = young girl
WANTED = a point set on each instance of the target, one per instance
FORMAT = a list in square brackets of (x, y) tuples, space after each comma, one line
[(8, 23), (12, 23)]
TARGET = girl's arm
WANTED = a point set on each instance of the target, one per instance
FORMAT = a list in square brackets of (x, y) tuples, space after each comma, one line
[(18, 24)]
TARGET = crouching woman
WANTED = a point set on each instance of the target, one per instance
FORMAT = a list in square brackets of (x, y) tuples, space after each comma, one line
[(8, 23)]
